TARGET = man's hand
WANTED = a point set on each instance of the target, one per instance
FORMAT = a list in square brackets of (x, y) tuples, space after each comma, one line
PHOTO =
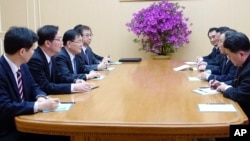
[(48, 104), (81, 87)]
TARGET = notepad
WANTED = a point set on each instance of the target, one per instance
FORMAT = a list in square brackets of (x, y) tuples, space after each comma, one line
[(216, 107), (61, 107), (206, 91), (100, 78), (93, 86), (109, 69), (182, 67), (190, 63), (115, 63), (194, 79)]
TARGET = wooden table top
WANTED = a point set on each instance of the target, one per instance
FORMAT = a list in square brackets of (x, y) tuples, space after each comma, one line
[(145, 97)]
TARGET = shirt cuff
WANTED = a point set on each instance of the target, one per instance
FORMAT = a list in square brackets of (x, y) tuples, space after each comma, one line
[(36, 108)]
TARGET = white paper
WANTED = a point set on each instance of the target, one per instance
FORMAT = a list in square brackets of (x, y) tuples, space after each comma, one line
[(182, 67), (100, 78), (61, 107), (216, 107), (110, 68), (190, 63), (194, 79), (115, 63), (206, 91)]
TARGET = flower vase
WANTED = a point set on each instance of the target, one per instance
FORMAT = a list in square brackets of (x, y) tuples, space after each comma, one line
[(161, 57)]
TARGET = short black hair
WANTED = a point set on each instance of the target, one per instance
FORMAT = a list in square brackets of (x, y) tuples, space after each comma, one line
[(17, 38), (79, 28), (211, 30), (47, 32), (222, 29), (236, 41), (70, 35)]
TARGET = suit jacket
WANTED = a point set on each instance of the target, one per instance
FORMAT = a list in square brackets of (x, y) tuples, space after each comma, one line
[(51, 84), (212, 54), (10, 102), (226, 71), (240, 92), (215, 58), (65, 67), (89, 60)]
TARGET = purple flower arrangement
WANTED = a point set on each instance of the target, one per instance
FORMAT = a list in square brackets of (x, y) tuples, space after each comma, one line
[(161, 28)]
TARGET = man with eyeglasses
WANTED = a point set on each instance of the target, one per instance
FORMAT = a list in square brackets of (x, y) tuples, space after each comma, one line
[(43, 65), (91, 60), (67, 60)]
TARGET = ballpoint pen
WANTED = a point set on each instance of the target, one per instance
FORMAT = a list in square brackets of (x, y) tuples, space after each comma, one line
[(68, 102), (212, 86)]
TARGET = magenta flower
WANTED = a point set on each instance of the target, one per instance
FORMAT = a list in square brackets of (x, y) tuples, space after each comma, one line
[(161, 28)]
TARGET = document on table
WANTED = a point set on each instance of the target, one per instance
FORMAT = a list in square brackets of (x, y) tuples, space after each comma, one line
[(61, 107), (190, 63), (115, 63), (213, 107), (194, 79), (206, 91), (100, 78), (109, 69), (182, 67)]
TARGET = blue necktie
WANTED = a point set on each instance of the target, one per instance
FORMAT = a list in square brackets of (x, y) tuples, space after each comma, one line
[(86, 56), (50, 68), (74, 63)]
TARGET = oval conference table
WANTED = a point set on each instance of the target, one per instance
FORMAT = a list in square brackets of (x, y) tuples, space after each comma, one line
[(143, 101)]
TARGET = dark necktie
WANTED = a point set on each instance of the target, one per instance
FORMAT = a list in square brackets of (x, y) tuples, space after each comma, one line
[(224, 65), (74, 68), (86, 56), (20, 84), (50, 68)]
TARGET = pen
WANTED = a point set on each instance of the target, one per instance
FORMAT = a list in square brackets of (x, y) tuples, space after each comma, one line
[(203, 87), (68, 102), (214, 79), (213, 87)]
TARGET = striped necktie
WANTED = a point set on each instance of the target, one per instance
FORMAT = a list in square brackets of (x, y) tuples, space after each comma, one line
[(20, 84)]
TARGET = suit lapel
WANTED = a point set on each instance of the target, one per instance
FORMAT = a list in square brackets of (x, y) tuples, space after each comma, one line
[(11, 77)]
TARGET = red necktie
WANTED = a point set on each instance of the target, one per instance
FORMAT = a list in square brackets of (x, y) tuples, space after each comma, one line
[(20, 84)]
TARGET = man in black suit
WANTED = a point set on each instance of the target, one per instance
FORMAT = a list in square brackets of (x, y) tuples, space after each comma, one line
[(91, 60), (19, 94), (43, 65), (213, 41), (226, 71), (68, 62), (237, 47), (216, 58)]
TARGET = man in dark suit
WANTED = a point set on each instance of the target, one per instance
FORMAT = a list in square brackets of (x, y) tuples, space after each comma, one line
[(69, 64), (91, 60), (43, 65), (213, 41), (215, 59), (20, 95), (226, 71), (237, 47)]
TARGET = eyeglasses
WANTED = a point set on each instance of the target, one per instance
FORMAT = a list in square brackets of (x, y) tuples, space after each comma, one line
[(78, 42), (88, 35)]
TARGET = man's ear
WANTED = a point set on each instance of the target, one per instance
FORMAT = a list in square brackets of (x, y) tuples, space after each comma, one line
[(22, 51), (47, 43)]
